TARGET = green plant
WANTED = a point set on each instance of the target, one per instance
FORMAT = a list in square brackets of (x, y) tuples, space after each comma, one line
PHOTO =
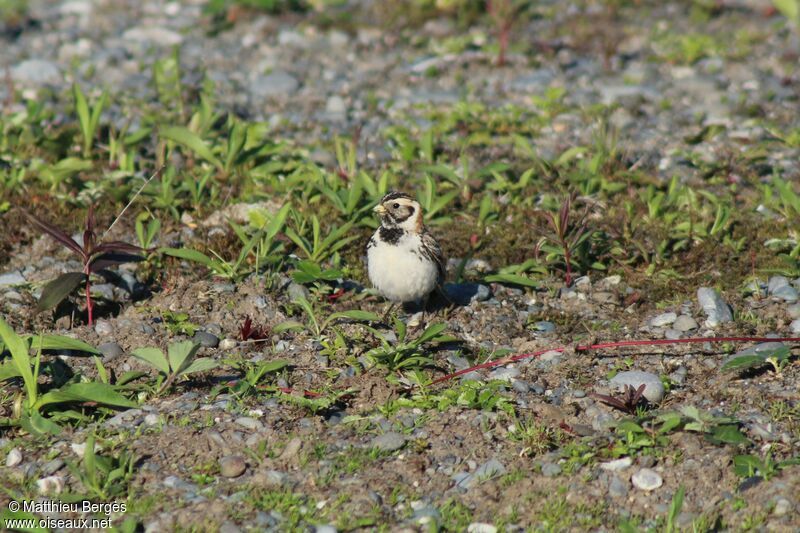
[(789, 9), (88, 117), (675, 510), (316, 249), (406, 353), (178, 323), (95, 256), (103, 476), (569, 234), (35, 403), (180, 361), (750, 465), (147, 234), (254, 373), (535, 437), (318, 326), (778, 358)]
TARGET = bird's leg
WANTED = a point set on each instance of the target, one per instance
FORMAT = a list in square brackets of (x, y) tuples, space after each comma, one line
[(388, 311), (418, 319)]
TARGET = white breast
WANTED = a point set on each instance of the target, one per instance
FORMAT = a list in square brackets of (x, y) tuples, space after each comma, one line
[(401, 272)]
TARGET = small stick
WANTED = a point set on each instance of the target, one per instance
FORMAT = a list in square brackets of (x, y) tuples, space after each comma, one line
[(135, 196)]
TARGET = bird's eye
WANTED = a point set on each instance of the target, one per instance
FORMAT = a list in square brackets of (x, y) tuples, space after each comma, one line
[(396, 205)]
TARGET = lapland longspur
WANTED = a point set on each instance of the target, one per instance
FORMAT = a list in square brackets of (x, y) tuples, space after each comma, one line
[(404, 261)]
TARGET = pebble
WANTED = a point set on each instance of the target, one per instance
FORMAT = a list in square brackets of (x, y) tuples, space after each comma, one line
[(794, 311), (544, 327), (103, 328), (617, 488), (275, 84), (777, 282), (50, 485), (388, 442), (617, 465), (204, 338), (654, 389), (717, 311), (325, 528), (550, 469), (232, 466), (646, 479), (480, 527), (782, 507), (794, 326), (36, 73), (9, 279), (14, 457), (110, 351), (157, 35), (684, 323), (152, 419), (664, 319), (228, 344), (249, 423), (504, 373), (787, 294)]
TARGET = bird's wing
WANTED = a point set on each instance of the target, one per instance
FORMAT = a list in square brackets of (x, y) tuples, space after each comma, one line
[(432, 250)]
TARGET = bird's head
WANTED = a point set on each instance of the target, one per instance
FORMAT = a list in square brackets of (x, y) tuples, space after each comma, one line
[(399, 210)]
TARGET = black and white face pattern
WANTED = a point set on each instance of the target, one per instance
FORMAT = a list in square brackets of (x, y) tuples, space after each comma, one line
[(398, 209)]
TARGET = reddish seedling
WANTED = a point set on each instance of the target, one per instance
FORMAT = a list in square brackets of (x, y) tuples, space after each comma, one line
[(94, 255), (568, 232), (249, 332), (628, 401)]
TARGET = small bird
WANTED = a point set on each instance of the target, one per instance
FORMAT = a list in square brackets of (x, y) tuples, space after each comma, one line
[(404, 261)]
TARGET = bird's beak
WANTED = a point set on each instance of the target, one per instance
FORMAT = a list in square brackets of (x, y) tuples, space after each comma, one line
[(379, 209)]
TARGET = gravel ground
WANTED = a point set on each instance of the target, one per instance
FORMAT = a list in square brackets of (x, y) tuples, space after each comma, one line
[(527, 445)]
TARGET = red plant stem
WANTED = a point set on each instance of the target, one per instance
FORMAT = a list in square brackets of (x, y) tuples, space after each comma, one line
[(601, 346), (89, 304), (567, 258)]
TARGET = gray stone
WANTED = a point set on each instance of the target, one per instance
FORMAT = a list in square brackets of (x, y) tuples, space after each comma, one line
[(325, 528), (504, 373), (550, 469), (228, 344), (336, 106), (544, 326), (110, 350), (684, 323), (9, 279), (480, 527), (389, 442), (794, 310), (795, 326), (466, 293), (232, 466), (204, 338), (295, 291), (664, 319), (14, 457), (617, 464), (489, 469), (782, 507), (717, 311), (758, 349), (249, 423), (155, 35), (787, 294), (646, 479), (103, 328), (275, 84), (654, 389), (36, 73), (777, 282), (617, 488), (103, 290)]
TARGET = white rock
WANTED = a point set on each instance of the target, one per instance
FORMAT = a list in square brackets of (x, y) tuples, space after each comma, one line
[(228, 344), (617, 465), (50, 485), (714, 306), (157, 35), (36, 73), (653, 390), (480, 527), (11, 278), (646, 479), (14, 457), (684, 323), (664, 319)]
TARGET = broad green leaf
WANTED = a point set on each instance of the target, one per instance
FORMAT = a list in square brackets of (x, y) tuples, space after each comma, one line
[(513, 279), (288, 325), (191, 255), (85, 392), (58, 289), (154, 357), (430, 333), (273, 366), (746, 465), (8, 370), (181, 354), (19, 354), (355, 314), (200, 365), (40, 424), (727, 434), (129, 376), (743, 362), (190, 140), (277, 221), (789, 9), (60, 342)]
